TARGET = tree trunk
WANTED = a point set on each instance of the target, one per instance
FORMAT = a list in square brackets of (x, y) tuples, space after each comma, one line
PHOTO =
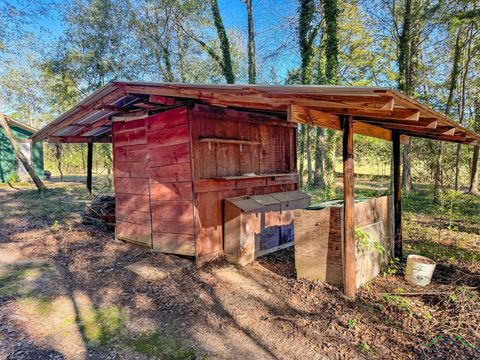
[(252, 71), (58, 157), (407, 166), (18, 152), (474, 172), (466, 69), (319, 170), (308, 145), (452, 87), (227, 65), (404, 83), (306, 34), (330, 8)]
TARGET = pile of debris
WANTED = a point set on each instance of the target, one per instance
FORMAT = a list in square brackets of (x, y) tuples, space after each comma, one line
[(100, 210)]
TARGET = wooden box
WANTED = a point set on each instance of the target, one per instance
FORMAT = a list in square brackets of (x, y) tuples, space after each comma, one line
[(319, 236), (260, 224)]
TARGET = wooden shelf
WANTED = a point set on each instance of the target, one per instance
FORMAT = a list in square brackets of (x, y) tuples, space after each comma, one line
[(229, 141), (251, 177)]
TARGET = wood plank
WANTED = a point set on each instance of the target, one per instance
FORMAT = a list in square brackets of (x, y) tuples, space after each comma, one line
[(132, 216), (130, 153), (206, 185), (228, 141), (132, 202), (171, 136), (174, 244), (130, 137), (171, 173), (180, 210), (167, 155), (166, 120), (170, 191), (130, 169), (348, 208), (121, 126), (208, 224), (136, 186), (133, 232), (174, 226)]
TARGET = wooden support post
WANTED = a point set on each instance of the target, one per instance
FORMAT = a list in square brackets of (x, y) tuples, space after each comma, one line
[(397, 197), (89, 166), (348, 208), (8, 133)]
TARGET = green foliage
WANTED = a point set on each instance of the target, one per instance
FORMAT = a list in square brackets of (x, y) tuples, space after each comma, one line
[(12, 178), (352, 323), (157, 344), (400, 302)]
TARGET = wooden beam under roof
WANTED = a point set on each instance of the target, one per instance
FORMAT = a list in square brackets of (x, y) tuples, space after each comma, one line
[(79, 139), (86, 128), (304, 115)]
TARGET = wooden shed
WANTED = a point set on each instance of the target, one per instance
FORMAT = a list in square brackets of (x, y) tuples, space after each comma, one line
[(174, 169), (180, 150)]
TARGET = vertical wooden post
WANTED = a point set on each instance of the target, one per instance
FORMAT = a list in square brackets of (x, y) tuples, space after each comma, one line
[(348, 208), (397, 197), (89, 166)]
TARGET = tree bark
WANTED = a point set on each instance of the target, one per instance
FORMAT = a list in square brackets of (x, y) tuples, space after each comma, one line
[(308, 145), (18, 152), (330, 8), (252, 71), (306, 34), (227, 67), (405, 78), (319, 170), (474, 172), (452, 87)]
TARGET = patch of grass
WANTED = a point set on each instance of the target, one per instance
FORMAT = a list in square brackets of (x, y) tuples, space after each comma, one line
[(157, 344), (437, 251), (365, 348), (10, 282), (43, 304), (352, 323), (401, 303), (102, 327)]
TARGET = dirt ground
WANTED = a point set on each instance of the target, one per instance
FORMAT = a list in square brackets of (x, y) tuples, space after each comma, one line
[(66, 293)]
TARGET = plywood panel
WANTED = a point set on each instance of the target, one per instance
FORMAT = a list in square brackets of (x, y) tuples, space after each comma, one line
[(174, 226), (168, 119), (120, 126), (208, 224), (130, 169), (133, 202), (130, 153), (206, 185), (311, 243), (133, 216), (167, 155), (130, 137), (174, 243), (133, 232), (170, 191), (138, 186), (171, 136), (171, 173), (172, 210)]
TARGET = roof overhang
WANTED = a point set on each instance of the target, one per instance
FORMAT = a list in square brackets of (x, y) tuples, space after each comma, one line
[(376, 111), (11, 122)]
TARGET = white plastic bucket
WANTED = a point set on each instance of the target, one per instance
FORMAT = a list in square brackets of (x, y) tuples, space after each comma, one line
[(419, 270)]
